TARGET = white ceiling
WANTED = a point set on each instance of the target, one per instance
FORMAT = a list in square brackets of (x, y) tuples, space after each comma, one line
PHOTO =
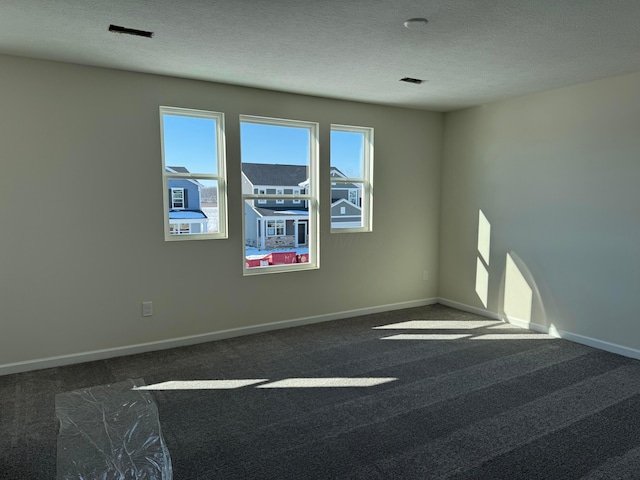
[(471, 52)]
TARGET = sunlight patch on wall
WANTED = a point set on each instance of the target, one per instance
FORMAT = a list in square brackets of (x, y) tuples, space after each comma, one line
[(518, 296), (484, 237), (553, 331), (482, 263), (337, 382), (427, 336), (438, 325), (202, 384), (482, 282)]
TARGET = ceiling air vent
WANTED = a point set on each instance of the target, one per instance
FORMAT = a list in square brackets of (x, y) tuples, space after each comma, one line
[(417, 81), (130, 31)]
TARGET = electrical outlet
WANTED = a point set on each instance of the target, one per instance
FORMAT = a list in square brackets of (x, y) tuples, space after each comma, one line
[(425, 275), (147, 309)]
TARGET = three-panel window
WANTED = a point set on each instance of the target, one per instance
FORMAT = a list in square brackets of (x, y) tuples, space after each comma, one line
[(280, 184)]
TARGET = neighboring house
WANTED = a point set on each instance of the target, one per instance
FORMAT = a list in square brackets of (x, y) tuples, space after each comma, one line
[(279, 222), (344, 214), (185, 214), (346, 203), (275, 223)]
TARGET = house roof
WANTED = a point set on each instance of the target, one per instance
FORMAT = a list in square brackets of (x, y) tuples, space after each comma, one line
[(346, 203), (275, 174), (267, 212), (337, 172), (343, 186), (186, 214), (182, 170), (179, 169)]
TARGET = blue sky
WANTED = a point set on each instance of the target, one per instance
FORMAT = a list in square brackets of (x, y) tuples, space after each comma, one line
[(191, 142), (274, 144)]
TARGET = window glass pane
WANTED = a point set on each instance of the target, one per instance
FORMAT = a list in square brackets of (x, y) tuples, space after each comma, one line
[(346, 205), (190, 144), (347, 153), (277, 160), (194, 173), (274, 144), (351, 158), (275, 239), (194, 209)]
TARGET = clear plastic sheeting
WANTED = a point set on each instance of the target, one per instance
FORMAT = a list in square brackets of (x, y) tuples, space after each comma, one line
[(110, 432)]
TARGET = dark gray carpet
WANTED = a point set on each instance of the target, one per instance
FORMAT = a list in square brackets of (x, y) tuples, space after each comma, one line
[(461, 409)]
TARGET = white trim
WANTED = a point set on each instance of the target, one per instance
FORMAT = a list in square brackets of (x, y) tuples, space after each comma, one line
[(554, 332), (28, 365), (468, 308)]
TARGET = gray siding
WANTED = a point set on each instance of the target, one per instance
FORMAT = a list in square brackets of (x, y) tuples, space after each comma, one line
[(251, 226)]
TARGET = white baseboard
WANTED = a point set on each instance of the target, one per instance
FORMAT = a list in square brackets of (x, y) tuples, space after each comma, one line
[(90, 356), (469, 308), (601, 344), (573, 337)]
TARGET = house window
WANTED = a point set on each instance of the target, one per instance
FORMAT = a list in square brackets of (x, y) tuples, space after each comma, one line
[(177, 198), (287, 238), (275, 228), (193, 174), (351, 178)]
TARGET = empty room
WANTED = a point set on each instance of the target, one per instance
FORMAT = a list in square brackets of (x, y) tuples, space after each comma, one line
[(319, 240)]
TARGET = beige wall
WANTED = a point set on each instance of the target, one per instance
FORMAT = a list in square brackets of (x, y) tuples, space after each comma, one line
[(81, 237), (557, 176)]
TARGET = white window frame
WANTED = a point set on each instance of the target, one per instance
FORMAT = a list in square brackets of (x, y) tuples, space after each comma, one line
[(262, 191), (220, 177), (174, 191), (296, 191), (311, 197), (366, 180), (279, 191)]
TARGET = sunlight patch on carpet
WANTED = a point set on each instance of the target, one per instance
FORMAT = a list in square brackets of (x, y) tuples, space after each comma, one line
[(439, 325), (427, 336), (202, 384), (327, 382), (505, 326), (514, 336)]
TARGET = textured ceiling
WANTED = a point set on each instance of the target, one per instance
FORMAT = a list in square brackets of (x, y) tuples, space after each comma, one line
[(471, 52)]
